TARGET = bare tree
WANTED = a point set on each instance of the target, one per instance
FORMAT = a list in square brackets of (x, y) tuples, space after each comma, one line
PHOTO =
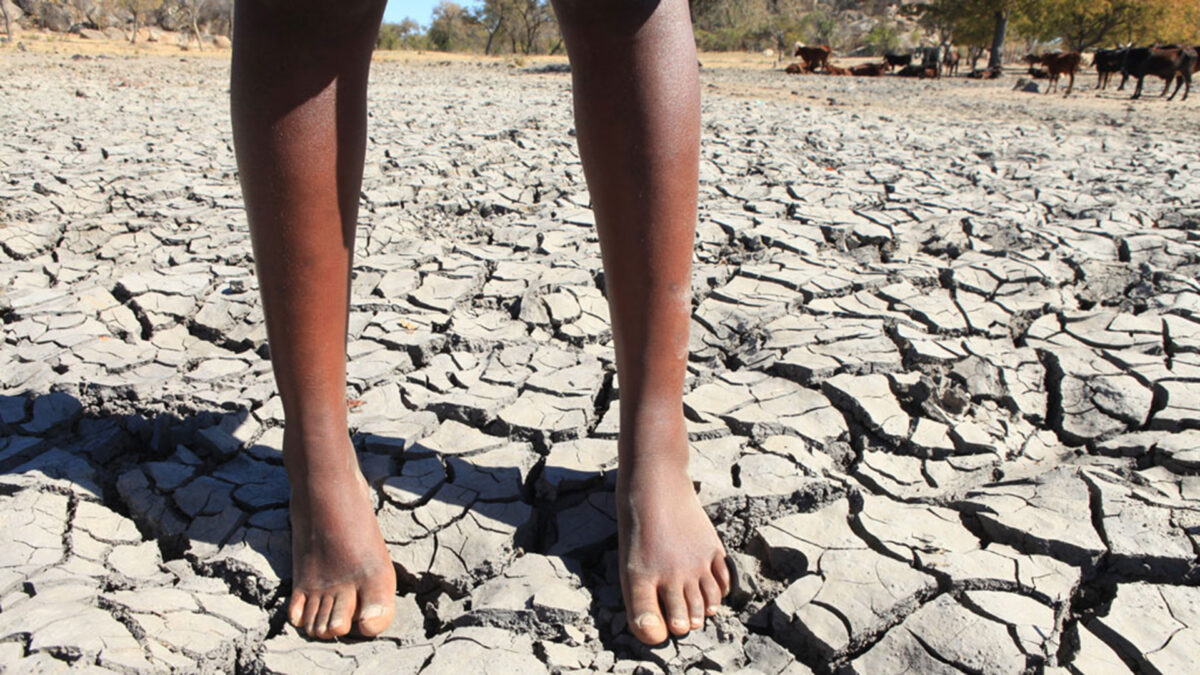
[(194, 9), (534, 15), (139, 8)]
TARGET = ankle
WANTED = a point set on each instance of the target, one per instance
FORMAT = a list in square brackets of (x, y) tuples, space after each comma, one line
[(309, 453)]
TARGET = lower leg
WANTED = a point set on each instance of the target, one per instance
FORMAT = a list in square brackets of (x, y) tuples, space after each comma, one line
[(637, 115), (299, 118)]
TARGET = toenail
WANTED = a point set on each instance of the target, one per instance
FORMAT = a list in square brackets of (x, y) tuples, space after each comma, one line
[(371, 612), (646, 620), (334, 624), (680, 623), (712, 609), (697, 621)]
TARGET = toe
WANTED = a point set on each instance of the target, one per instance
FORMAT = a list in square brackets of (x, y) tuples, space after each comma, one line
[(645, 618), (695, 605), (377, 604), (720, 570), (341, 614), (711, 591), (295, 611), (321, 621), (675, 607), (311, 606)]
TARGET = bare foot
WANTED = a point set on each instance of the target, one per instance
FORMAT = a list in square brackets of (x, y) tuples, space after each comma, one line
[(672, 563), (342, 575)]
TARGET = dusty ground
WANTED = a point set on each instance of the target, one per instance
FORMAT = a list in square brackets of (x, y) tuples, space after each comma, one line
[(945, 359)]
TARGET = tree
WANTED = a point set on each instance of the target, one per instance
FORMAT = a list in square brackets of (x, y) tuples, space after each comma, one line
[(496, 16), (533, 15), (404, 35), (1083, 24), (452, 29), (976, 23), (139, 8), (194, 9), (883, 38)]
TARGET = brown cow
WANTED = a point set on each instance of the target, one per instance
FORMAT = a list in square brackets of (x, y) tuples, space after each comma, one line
[(950, 61), (1058, 63), (814, 57), (794, 69), (836, 70), (869, 69)]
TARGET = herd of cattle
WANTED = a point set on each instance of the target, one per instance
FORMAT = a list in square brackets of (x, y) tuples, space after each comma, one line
[(1173, 63)]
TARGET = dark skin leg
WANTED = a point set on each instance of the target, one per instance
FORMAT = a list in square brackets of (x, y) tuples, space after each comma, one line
[(637, 115), (299, 117), (299, 120)]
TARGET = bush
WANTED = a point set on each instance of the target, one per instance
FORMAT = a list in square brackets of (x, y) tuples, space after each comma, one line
[(882, 39)]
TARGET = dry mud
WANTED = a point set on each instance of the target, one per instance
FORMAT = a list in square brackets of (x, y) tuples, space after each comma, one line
[(945, 375)]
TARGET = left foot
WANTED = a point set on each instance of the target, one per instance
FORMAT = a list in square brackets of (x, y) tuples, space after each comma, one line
[(672, 562)]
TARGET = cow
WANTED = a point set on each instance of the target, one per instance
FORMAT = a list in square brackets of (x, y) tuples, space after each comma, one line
[(1107, 62), (990, 73), (836, 70), (814, 57), (950, 62), (869, 69), (931, 57), (794, 69), (913, 70), (892, 60), (1173, 64), (1057, 64)]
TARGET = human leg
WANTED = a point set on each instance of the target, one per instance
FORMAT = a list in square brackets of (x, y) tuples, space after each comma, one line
[(299, 120), (637, 116)]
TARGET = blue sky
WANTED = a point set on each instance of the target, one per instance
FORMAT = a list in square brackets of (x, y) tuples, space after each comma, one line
[(420, 11)]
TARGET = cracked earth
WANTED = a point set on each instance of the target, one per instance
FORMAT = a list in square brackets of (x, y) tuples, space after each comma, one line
[(943, 393)]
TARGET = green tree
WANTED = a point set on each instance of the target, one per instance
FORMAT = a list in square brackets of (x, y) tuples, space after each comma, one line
[(404, 35), (497, 17), (1083, 24), (453, 28), (883, 38), (821, 28)]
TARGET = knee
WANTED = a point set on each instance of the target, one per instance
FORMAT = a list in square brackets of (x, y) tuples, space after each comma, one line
[(320, 13), (605, 13)]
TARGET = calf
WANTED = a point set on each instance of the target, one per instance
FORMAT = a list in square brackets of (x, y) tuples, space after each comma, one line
[(1107, 62), (1058, 64), (814, 57), (1173, 64), (794, 69), (836, 70), (893, 60), (869, 69), (950, 63)]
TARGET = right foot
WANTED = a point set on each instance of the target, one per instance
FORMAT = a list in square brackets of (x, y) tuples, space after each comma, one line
[(342, 575)]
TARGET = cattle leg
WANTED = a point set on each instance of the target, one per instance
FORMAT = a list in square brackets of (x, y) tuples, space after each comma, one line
[(1137, 92), (637, 116), (1180, 81), (1071, 85), (299, 95)]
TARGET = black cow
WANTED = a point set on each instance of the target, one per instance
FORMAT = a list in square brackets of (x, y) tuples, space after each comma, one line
[(1173, 64), (1107, 62), (894, 60)]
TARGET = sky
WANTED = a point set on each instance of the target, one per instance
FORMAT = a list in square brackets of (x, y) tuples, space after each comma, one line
[(420, 11)]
